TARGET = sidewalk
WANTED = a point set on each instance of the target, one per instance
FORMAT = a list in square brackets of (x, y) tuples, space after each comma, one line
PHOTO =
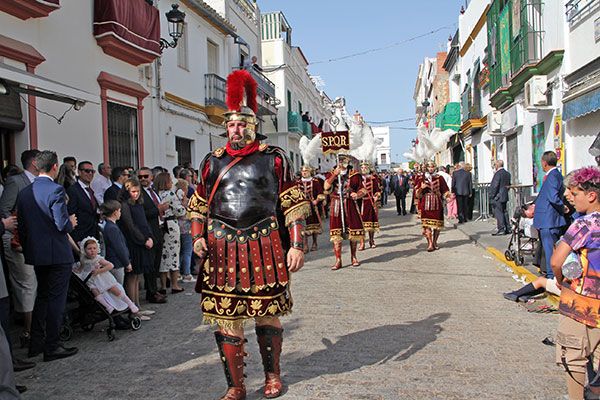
[(481, 231)]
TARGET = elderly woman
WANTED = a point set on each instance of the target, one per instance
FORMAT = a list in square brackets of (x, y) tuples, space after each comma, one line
[(431, 191)]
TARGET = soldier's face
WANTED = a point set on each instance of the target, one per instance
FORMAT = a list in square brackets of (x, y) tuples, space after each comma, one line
[(306, 173), (235, 132), (431, 169), (364, 169)]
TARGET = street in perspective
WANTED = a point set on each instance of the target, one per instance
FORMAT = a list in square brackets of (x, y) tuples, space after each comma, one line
[(257, 199)]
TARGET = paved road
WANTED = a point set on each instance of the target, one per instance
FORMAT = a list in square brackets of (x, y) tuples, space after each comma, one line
[(407, 324)]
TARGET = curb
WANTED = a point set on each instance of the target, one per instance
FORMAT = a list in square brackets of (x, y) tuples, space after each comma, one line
[(517, 270)]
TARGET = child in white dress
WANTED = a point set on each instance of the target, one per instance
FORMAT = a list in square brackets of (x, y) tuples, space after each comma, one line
[(105, 288)]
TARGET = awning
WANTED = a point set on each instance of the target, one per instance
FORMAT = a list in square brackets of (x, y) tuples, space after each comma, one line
[(449, 118), (45, 87), (582, 105), (11, 116)]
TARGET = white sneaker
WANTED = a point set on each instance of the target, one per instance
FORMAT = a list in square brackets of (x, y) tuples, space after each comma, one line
[(189, 278), (147, 312)]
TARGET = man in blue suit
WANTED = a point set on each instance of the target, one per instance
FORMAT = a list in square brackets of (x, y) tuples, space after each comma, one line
[(43, 225), (549, 208)]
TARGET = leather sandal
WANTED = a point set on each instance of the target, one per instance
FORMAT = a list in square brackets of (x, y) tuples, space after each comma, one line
[(337, 265), (234, 394), (313, 247), (273, 386), (355, 262)]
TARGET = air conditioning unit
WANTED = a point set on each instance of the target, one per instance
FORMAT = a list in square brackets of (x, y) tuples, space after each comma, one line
[(535, 91), (494, 123)]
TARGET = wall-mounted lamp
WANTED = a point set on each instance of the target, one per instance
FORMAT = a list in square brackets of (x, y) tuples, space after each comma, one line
[(176, 20)]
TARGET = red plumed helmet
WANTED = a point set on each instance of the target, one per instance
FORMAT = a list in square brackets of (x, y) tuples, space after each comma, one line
[(241, 91)]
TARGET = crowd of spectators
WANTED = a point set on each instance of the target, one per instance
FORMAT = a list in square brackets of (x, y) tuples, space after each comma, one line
[(125, 223)]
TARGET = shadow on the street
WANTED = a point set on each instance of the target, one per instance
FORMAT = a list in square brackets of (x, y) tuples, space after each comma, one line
[(374, 346), (419, 248)]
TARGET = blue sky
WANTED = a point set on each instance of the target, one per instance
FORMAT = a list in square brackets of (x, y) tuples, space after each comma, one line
[(380, 84)]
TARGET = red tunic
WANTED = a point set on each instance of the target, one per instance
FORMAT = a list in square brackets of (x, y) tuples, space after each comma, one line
[(431, 201), (352, 220), (369, 207), (313, 190)]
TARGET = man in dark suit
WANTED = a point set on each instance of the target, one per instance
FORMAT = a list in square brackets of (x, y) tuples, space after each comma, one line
[(83, 203), (43, 226), (153, 210), (399, 185), (118, 176), (462, 187), (499, 198), (22, 276), (549, 213)]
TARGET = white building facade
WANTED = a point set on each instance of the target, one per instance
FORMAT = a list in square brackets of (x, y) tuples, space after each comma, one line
[(383, 149), (286, 66)]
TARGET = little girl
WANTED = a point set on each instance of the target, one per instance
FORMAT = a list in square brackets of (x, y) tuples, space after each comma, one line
[(105, 288)]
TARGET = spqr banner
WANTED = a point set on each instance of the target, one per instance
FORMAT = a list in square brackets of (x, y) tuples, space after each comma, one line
[(334, 142)]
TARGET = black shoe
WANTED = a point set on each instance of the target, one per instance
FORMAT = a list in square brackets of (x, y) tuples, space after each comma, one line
[(498, 233), (163, 291), (21, 388), (60, 352), (21, 365), (510, 296), (157, 299)]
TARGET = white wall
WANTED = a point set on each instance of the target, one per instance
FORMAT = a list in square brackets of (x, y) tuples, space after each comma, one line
[(76, 63)]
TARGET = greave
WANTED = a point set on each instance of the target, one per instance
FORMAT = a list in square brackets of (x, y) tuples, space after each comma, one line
[(231, 350), (270, 340)]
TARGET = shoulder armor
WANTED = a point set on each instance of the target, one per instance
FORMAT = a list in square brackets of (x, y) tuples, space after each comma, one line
[(219, 152), (263, 147)]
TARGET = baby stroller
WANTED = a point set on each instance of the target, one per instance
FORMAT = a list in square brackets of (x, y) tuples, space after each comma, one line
[(84, 311), (524, 236)]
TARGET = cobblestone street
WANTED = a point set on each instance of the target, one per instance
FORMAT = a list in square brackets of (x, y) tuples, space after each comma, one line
[(406, 324)]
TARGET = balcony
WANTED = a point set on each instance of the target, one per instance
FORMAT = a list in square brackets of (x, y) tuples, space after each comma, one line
[(127, 30), (307, 129), (294, 122), (526, 49), (578, 10), (25, 9), (471, 110), (214, 99), (266, 93), (517, 54)]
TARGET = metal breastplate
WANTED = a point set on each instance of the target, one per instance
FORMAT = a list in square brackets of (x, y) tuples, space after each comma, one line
[(247, 193)]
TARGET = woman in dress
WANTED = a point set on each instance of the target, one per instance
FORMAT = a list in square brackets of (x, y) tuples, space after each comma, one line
[(431, 191), (169, 264), (138, 235)]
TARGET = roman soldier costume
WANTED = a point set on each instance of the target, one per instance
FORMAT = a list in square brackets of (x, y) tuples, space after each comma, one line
[(313, 190), (250, 213), (371, 184), (344, 214), (432, 189)]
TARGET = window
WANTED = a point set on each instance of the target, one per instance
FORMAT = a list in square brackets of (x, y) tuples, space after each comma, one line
[(289, 100), (182, 50), (122, 136), (383, 158), (212, 57), (300, 107), (184, 150)]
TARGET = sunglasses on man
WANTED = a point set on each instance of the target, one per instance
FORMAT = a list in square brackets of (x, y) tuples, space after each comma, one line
[(143, 176), (88, 170)]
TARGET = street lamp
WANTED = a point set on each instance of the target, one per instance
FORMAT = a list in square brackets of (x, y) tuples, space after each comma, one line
[(176, 20)]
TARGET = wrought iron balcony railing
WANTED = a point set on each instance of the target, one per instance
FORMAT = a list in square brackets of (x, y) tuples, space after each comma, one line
[(214, 90)]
